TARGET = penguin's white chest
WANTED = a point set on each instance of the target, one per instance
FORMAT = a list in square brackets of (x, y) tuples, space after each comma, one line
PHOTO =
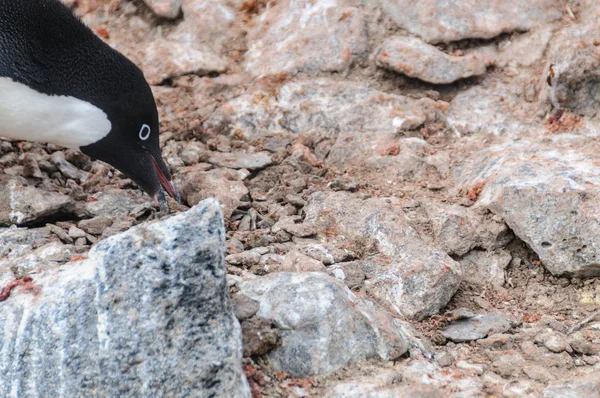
[(26, 114)]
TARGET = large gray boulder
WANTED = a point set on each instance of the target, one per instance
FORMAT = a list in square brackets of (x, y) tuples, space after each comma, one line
[(147, 314)]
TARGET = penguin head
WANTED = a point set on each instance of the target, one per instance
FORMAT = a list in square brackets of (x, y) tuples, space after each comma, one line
[(132, 145)]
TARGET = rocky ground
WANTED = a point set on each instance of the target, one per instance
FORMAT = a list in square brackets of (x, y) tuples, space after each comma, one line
[(411, 194)]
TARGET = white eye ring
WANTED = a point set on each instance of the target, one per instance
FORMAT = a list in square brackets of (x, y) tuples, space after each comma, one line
[(144, 132)]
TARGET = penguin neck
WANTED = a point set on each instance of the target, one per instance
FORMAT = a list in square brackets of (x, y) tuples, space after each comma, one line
[(26, 114)]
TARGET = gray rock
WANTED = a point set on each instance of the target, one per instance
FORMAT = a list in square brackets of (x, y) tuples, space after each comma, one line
[(324, 326), (438, 21), (458, 230), (165, 58), (212, 24), (305, 36), (112, 202), (96, 225), (241, 160), (415, 58), (26, 205), (476, 327), (481, 267), (165, 8), (582, 387), (66, 168), (148, 314), (225, 185), (572, 70), (365, 124), (495, 108), (415, 279), (321, 107), (546, 197)]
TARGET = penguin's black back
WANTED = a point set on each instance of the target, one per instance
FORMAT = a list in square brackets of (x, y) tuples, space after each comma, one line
[(44, 46)]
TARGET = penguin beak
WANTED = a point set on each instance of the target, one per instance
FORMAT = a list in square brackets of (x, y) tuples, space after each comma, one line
[(165, 182)]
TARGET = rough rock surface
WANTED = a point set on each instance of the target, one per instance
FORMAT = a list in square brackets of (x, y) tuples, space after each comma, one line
[(291, 92), (572, 70), (324, 326), (302, 35), (415, 58), (475, 327), (88, 324), (523, 184), (21, 204), (416, 280), (443, 21)]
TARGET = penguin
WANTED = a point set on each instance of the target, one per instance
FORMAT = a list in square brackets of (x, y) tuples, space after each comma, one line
[(61, 84)]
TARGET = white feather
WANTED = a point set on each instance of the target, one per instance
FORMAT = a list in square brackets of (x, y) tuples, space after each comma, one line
[(27, 114)]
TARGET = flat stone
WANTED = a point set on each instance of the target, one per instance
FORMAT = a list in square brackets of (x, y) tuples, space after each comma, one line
[(112, 202), (415, 279), (305, 36), (21, 204), (96, 225), (241, 160), (225, 185), (319, 319), (415, 58), (147, 313), (298, 262), (438, 21), (164, 59), (475, 328)]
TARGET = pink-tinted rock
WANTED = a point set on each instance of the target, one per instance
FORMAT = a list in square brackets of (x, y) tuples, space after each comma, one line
[(438, 21), (415, 58), (308, 36)]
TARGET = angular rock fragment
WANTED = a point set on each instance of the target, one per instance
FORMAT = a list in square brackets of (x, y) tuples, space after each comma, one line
[(415, 279), (438, 21), (111, 202), (25, 205), (476, 327), (548, 198), (147, 314), (304, 36), (164, 59), (225, 185), (415, 58), (320, 319)]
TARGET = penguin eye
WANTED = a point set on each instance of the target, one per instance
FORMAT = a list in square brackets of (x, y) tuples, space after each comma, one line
[(144, 132)]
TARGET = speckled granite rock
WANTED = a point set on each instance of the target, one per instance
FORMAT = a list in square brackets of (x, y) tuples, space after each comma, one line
[(148, 314)]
